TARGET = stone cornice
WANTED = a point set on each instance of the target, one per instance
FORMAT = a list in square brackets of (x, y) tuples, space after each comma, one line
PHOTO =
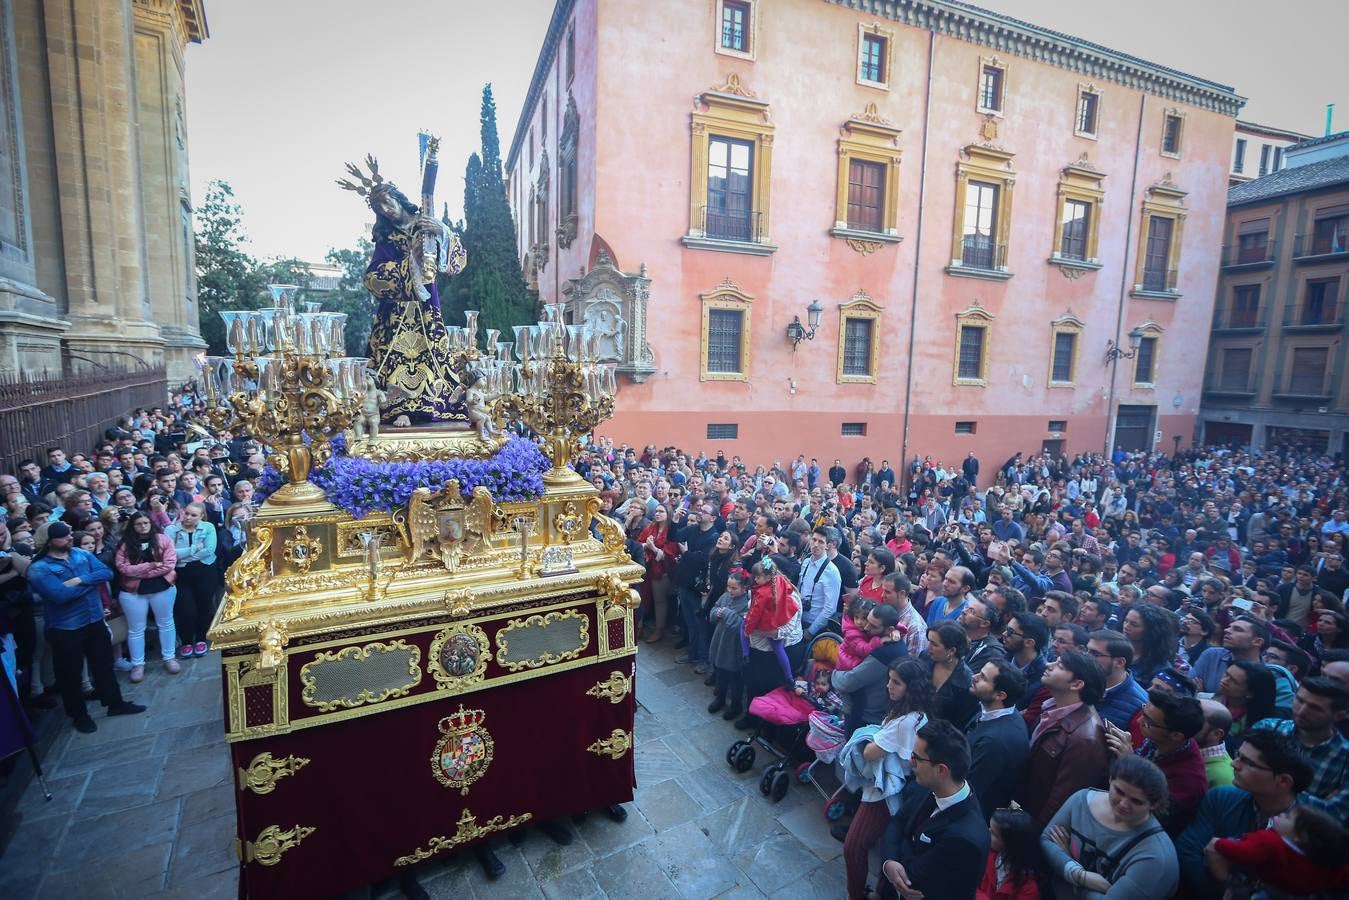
[(556, 31), (1016, 38), (186, 18)]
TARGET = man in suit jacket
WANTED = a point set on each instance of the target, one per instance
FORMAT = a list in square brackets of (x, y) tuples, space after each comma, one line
[(1067, 747), (999, 741), (942, 834)]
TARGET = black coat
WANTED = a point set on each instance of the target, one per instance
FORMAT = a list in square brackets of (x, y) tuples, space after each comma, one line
[(945, 856), (999, 749)]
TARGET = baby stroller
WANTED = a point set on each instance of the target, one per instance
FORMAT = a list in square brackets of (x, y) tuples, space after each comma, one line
[(826, 737), (786, 740)]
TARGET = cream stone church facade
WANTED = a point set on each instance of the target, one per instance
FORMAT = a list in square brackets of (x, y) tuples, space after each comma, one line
[(96, 235)]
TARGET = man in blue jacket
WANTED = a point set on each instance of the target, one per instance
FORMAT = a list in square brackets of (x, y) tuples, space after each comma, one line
[(67, 580)]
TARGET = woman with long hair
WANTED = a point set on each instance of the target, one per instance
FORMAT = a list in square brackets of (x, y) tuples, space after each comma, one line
[(909, 688), (1248, 690), (194, 543), (660, 552), (146, 562), (1153, 633)]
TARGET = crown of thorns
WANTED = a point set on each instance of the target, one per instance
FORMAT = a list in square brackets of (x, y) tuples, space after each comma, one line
[(367, 186)]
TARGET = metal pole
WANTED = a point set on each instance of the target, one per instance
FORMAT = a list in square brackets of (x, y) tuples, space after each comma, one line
[(1123, 286)]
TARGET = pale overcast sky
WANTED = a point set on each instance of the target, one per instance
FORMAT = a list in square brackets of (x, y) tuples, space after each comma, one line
[(285, 91)]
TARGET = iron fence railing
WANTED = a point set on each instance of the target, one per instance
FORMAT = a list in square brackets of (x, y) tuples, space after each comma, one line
[(1248, 254), (981, 252), (1160, 281), (69, 411)]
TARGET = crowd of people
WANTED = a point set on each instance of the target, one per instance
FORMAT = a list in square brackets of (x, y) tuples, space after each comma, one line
[(97, 545), (1123, 677)]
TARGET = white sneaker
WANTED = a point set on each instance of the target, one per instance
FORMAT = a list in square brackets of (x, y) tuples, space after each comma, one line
[(122, 665)]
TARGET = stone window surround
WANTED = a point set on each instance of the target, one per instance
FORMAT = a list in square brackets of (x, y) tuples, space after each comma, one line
[(859, 306), (752, 27), (733, 111), (1166, 200), (1079, 181), (1149, 329), (726, 296), (1000, 110), (1065, 324), (1084, 88), (974, 315), (871, 138), (887, 60), (987, 163)]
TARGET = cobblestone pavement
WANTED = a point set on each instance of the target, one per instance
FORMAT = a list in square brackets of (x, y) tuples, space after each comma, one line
[(144, 808)]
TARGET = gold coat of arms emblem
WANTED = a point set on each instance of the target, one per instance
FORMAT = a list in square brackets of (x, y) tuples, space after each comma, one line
[(464, 750)]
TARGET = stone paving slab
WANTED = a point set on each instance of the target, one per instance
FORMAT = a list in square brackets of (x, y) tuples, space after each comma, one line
[(145, 808)]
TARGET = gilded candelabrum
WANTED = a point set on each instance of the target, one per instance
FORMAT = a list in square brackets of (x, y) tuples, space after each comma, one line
[(287, 386), (562, 392)]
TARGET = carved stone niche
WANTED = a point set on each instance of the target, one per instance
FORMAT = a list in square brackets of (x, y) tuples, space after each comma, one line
[(614, 303)]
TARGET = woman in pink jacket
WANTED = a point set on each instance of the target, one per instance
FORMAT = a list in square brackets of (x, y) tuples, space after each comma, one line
[(145, 562)]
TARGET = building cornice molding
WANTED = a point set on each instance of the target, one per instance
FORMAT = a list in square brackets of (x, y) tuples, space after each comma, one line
[(557, 28), (1016, 38)]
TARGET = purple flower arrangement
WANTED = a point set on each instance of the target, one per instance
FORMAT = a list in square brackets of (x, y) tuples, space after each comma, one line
[(359, 486)]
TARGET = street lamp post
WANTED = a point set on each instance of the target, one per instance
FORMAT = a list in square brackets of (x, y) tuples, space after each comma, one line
[(1113, 354), (796, 332)]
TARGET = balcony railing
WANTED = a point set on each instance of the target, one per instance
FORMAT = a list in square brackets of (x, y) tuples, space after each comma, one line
[(741, 225), (1231, 384), (1310, 387), (978, 252), (1248, 255), (1320, 244), (1321, 316), (1160, 281), (1229, 319)]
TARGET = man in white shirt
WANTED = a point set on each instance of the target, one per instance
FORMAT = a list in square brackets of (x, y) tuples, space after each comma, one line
[(820, 584)]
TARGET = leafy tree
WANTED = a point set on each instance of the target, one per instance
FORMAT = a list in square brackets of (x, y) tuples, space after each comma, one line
[(351, 296), (227, 276), (492, 281)]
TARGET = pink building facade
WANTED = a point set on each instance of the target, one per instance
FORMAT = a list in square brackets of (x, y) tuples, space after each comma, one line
[(979, 209)]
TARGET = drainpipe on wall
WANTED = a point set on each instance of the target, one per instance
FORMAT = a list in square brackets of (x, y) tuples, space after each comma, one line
[(917, 260), (1125, 272)]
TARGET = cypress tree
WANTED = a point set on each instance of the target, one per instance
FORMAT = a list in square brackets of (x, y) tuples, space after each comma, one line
[(492, 281)]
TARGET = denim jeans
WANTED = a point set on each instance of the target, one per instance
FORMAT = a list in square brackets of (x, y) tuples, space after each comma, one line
[(696, 627)]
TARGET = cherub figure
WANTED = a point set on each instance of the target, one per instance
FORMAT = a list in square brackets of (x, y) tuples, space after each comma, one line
[(475, 403), (367, 423)]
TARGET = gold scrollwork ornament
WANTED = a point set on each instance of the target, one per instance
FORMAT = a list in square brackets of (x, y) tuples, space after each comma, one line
[(272, 842), (464, 753), (544, 657), (469, 830), (614, 688), (614, 746), (360, 654), (265, 771), (272, 639)]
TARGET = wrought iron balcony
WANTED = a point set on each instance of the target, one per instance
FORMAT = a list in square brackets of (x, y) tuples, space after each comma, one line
[(1225, 318), (1160, 281), (1239, 255), (741, 225), (1232, 384), (1324, 244), (980, 252), (1313, 317)]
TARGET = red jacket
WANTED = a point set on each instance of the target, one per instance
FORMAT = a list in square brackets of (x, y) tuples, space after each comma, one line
[(658, 568), (771, 605), (1266, 856), (989, 889)]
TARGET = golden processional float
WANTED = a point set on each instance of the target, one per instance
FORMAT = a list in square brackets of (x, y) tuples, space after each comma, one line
[(424, 663)]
